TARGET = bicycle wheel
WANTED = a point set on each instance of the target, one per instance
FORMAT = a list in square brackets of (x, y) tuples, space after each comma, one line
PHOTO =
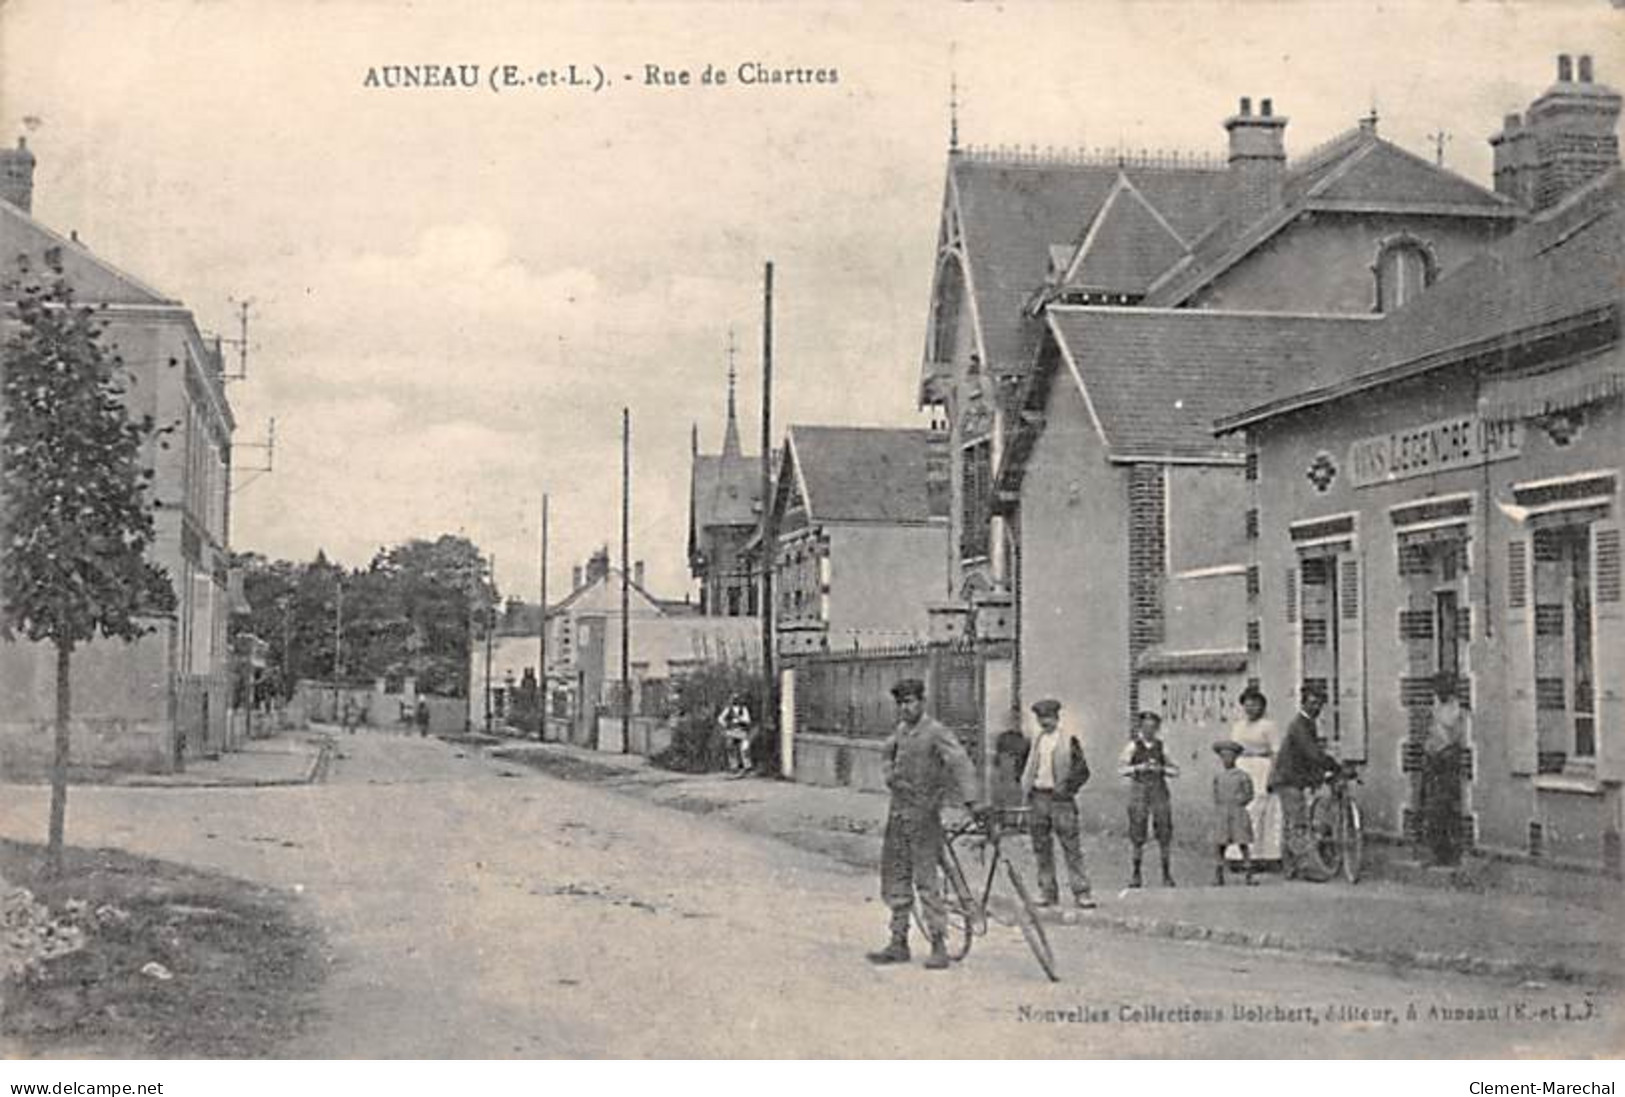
[(1353, 841), (961, 904), (1031, 928), (1323, 833)]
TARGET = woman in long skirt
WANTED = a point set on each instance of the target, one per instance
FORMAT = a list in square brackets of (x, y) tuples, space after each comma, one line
[(1259, 739)]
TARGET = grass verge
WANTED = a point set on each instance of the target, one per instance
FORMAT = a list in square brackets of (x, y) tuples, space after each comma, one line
[(243, 965)]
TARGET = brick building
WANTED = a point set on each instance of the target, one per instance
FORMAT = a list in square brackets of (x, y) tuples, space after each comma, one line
[(1444, 496), (1066, 355)]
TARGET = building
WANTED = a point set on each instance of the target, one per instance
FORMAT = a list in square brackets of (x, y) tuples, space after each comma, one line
[(1444, 496), (1065, 360), (153, 703), (859, 534), (724, 514)]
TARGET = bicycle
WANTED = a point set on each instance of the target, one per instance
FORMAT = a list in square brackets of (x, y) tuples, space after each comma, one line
[(1335, 824), (968, 908)]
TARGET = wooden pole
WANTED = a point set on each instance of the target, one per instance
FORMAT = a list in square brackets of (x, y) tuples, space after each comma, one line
[(490, 627), (541, 652), (765, 718), (626, 581)]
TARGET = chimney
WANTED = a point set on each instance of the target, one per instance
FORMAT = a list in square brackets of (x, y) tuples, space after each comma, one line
[(598, 564), (938, 471), (575, 578), (1571, 132), (17, 176), (637, 573), (1514, 154), (1257, 160)]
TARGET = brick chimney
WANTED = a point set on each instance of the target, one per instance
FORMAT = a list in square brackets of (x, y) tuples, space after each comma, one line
[(1257, 160), (598, 564), (1570, 134), (938, 470), (575, 578), (1514, 161), (17, 176)]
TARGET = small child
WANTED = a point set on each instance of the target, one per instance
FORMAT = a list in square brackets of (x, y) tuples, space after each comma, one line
[(1232, 792)]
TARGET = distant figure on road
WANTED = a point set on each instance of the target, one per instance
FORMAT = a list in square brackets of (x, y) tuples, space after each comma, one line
[(734, 722), (422, 716)]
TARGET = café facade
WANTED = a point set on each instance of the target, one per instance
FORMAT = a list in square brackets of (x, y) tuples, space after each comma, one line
[(1445, 497)]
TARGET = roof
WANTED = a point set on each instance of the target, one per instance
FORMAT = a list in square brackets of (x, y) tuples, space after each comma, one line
[(860, 474), (1565, 264), (724, 490), (1357, 172), (1157, 226), (1158, 378), (93, 278), (1013, 210)]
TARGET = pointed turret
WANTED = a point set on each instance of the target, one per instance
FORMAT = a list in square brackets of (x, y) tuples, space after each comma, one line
[(730, 439)]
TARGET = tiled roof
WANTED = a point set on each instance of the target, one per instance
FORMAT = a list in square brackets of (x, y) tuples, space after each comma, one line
[(724, 490), (94, 280), (1013, 212), (1567, 262), (1126, 245), (1355, 172), (1157, 379), (862, 474)]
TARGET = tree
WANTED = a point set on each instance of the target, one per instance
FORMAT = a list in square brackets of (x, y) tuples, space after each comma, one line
[(75, 519)]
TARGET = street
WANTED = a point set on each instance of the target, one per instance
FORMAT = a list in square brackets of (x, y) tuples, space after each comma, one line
[(477, 909)]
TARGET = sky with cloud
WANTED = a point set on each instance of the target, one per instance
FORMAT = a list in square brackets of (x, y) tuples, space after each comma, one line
[(455, 292)]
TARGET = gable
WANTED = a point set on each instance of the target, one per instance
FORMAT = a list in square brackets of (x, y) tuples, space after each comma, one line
[(94, 280), (1126, 247), (1384, 174)]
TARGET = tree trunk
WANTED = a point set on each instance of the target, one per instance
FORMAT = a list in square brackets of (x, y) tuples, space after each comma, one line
[(59, 760)]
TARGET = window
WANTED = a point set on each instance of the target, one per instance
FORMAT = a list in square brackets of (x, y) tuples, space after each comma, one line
[(977, 480), (1565, 651), (1404, 268)]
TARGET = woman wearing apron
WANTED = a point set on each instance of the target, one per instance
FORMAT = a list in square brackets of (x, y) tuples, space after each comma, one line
[(1259, 738)]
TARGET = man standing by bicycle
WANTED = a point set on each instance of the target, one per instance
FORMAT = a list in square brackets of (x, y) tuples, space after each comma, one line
[(1054, 773), (925, 765), (1301, 765)]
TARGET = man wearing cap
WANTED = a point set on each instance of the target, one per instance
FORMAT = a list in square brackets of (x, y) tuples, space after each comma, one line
[(1300, 766), (1054, 773), (924, 765)]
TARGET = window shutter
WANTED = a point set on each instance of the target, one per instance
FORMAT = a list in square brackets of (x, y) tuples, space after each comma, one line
[(1518, 655), (1350, 661), (1291, 589), (1608, 651)]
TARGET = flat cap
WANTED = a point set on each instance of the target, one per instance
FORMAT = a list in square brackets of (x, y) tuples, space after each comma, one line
[(1049, 706), (908, 687)]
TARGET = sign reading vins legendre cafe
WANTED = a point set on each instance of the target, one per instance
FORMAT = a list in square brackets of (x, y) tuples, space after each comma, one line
[(1432, 447)]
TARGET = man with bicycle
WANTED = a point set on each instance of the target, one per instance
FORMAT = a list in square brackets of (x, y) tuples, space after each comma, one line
[(924, 765), (1301, 766)]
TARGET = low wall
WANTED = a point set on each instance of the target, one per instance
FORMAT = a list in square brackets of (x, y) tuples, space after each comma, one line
[(649, 735), (97, 746), (840, 761)]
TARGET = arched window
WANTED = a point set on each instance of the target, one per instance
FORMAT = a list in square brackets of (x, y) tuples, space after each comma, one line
[(1405, 267)]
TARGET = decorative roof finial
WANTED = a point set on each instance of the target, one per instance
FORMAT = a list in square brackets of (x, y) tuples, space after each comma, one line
[(730, 438), (953, 99)]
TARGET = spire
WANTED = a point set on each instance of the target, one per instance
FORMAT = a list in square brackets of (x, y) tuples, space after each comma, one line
[(953, 100), (694, 439), (730, 439)]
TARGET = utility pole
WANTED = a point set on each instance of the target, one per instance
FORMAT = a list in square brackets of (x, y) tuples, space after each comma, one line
[(241, 342), (541, 646), (490, 626), (626, 581), (765, 718), (338, 645)]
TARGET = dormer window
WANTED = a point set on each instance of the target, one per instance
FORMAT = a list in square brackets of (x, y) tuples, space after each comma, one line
[(1404, 268)]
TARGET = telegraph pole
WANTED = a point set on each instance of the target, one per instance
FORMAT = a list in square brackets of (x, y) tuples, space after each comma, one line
[(490, 627), (541, 645), (338, 644), (626, 567), (765, 718)]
